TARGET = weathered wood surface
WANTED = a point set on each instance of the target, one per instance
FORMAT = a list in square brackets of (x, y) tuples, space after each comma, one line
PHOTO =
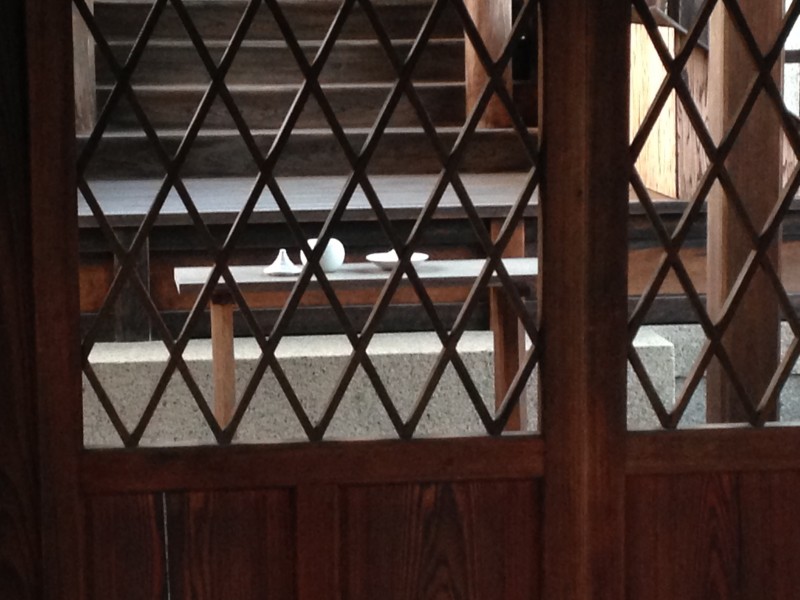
[(754, 332), (232, 544), (493, 22), (248, 466), (125, 202), (583, 299), (217, 19), (54, 243), (20, 553), (85, 84), (450, 272), (722, 535), (692, 160), (474, 541), (657, 163), (308, 153), (127, 559)]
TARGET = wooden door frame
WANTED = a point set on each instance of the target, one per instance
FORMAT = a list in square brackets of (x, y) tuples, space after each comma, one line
[(583, 290)]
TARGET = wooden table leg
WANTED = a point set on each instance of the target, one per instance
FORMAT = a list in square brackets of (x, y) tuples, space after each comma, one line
[(509, 335), (222, 357)]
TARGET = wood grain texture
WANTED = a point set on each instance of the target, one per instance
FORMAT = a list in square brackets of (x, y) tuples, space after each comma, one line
[(583, 294), (242, 467), (231, 545), (754, 331), (657, 163), (714, 449), (684, 537), (54, 272), (692, 159), (731, 535), (20, 555), (439, 540), (318, 542), (770, 554), (223, 360), (85, 84), (493, 22), (127, 555)]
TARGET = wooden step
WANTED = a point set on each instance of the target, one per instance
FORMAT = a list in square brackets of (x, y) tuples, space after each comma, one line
[(260, 63), (309, 152), (264, 107), (310, 19)]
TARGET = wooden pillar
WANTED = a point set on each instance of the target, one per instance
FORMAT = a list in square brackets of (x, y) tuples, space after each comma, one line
[(85, 77), (20, 555), (509, 335), (583, 294), (54, 276), (131, 320), (755, 167), (222, 356), (493, 20)]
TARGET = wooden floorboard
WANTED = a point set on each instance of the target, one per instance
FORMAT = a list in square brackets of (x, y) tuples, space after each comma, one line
[(125, 202)]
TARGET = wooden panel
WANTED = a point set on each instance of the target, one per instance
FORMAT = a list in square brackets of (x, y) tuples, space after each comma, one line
[(318, 542), (692, 160), (20, 555), (755, 329), (54, 276), (127, 559), (473, 541), (83, 52), (657, 164), (725, 535), (231, 545), (249, 466), (714, 449), (582, 294), (683, 537), (770, 535)]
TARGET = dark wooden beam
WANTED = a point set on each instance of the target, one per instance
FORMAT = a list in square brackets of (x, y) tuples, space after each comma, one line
[(583, 294), (53, 236), (20, 556)]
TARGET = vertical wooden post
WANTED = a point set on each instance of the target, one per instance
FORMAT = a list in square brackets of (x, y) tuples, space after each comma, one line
[(85, 77), (20, 554), (493, 20), (54, 239), (754, 336), (583, 294), (223, 359), (131, 320), (509, 335)]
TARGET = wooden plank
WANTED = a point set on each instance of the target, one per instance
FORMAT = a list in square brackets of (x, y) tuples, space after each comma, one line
[(190, 280), (84, 61), (692, 158), (755, 330), (232, 545), (442, 540), (318, 543), (351, 61), (20, 549), (223, 359), (770, 535), (126, 201), (583, 299), (127, 554), (509, 335), (54, 273), (684, 540), (131, 321), (311, 19), (241, 467), (714, 449), (657, 163), (493, 22), (308, 152)]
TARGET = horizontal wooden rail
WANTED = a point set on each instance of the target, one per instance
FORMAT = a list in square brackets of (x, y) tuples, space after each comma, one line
[(258, 466)]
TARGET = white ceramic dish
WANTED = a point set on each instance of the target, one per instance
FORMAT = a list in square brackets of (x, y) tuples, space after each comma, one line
[(388, 260)]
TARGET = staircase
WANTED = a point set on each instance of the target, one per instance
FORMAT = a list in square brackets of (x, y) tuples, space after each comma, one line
[(264, 78)]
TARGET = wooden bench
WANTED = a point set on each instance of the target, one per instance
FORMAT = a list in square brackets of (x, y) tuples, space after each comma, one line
[(509, 338)]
